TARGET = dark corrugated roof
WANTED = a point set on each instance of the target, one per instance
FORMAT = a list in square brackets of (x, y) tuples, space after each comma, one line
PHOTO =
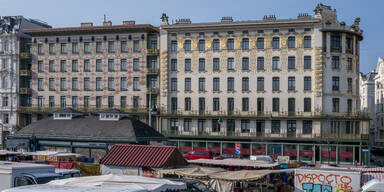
[(90, 127), (143, 156)]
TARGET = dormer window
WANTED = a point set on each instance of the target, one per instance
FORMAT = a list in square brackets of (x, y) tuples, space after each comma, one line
[(66, 114), (61, 116), (109, 116)]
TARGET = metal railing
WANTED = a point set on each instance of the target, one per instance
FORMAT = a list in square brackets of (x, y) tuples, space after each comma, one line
[(152, 51), (81, 109)]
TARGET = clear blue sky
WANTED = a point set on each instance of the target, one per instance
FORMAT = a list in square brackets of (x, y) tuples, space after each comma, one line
[(66, 13)]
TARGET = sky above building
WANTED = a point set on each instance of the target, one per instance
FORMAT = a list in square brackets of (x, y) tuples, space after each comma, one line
[(69, 13)]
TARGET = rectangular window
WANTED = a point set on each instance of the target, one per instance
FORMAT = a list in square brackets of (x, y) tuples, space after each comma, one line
[(349, 64), (86, 102), (63, 102), (291, 105), (63, 47), (291, 42), (307, 62), (99, 47), (173, 84), (40, 84), (260, 104), (63, 86), (99, 84), (111, 84), (5, 101), (275, 63), (173, 46), (111, 102), (260, 43), (99, 65), (187, 45), (230, 104), (216, 64), (123, 83), (51, 84), (349, 105), (75, 84), (87, 48), (335, 42), (136, 102), (187, 65), (230, 64), (216, 84), (111, 65), (63, 66), (87, 65), (349, 85), (245, 84), (230, 84), (335, 83), (201, 84), (216, 104), (173, 64), (123, 102), (291, 127), (230, 125), (51, 101), (245, 125), (307, 127), (40, 49), (39, 101), (307, 83), (245, 104), (123, 45), (187, 84), (136, 84), (87, 86), (201, 45), (260, 63), (51, 66), (123, 65), (201, 125), (335, 62), (136, 64), (291, 84), (201, 64), (111, 46), (275, 43), (275, 83), (335, 104), (275, 127), (230, 44), (98, 101), (216, 45), (307, 105), (201, 104), (51, 48), (245, 63), (136, 45), (291, 63), (40, 66), (187, 104), (74, 101), (187, 124), (245, 44), (275, 104), (215, 125), (307, 42), (260, 84), (75, 66)]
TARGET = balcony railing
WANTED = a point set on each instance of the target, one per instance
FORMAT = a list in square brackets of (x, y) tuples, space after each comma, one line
[(152, 70), (25, 90), (153, 90), (25, 72), (230, 134), (81, 109), (152, 51), (25, 55)]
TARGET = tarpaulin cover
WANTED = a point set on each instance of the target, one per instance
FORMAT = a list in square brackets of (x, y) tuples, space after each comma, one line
[(87, 169), (243, 175), (64, 188), (198, 171), (61, 165)]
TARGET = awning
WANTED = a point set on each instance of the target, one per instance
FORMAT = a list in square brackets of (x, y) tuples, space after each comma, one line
[(243, 175)]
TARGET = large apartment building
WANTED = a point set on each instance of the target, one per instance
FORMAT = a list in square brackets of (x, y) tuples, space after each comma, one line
[(14, 59), (275, 86), (379, 104), (367, 101), (91, 68)]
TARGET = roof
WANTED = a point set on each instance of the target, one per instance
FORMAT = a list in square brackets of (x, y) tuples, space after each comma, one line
[(90, 128), (66, 110), (91, 30), (143, 156), (234, 162), (64, 188), (8, 165)]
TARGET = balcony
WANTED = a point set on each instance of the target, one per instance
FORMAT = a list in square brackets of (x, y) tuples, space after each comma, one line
[(25, 91), (25, 72), (81, 109), (152, 52), (153, 90), (152, 71), (25, 55)]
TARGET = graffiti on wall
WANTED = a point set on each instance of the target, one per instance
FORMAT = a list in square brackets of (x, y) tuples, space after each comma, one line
[(323, 182)]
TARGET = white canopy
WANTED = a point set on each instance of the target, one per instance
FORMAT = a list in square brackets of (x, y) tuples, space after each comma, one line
[(374, 185), (126, 181), (64, 188)]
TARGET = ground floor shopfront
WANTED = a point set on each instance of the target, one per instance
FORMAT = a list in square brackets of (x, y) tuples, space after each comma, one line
[(323, 153)]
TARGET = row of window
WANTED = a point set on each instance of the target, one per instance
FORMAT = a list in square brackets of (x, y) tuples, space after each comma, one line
[(245, 126), (244, 86), (245, 44), (244, 63), (87, 84), (87, 47), (99, 65), (86, 101), (259, 104)]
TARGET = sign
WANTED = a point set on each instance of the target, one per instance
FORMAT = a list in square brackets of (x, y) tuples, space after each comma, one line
[(17, 143), (365, 150), (237, 148), (311, 180)]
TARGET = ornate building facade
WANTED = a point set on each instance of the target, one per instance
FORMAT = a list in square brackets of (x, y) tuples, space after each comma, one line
[(91, 68), (367, 99), (275, 86), (379, 104), (14, 58)]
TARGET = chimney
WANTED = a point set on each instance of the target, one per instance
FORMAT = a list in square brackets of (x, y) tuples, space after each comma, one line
[(130, 22), (107, 23), (88, 24)]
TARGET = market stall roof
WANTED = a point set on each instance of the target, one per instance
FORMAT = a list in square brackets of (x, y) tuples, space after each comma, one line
[(235, 163), (143, 156), (363, 169), (198, 171), (243, 175), (366, 177), (150, 184), (373, 185), (64, 188)]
